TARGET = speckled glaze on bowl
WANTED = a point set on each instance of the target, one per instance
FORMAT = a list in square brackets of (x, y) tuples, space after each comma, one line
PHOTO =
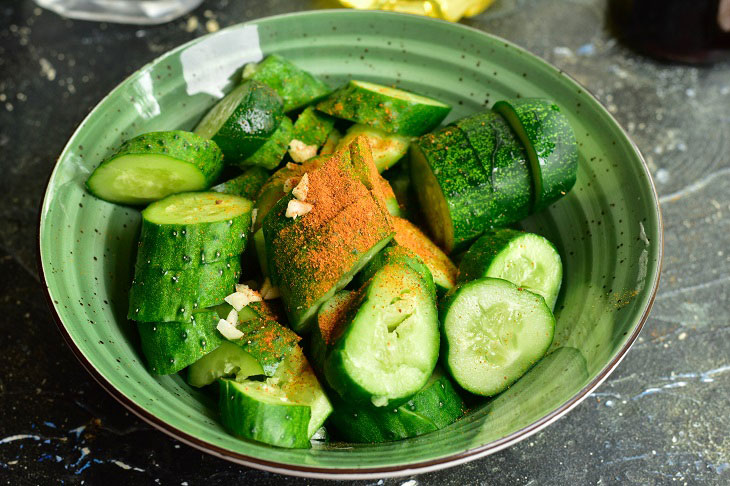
[(608, 229)]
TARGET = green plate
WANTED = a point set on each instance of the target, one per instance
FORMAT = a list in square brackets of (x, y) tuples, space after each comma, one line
[(608, 229)]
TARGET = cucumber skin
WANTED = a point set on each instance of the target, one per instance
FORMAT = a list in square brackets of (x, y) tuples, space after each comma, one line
[(444, 307), (251, 124), (296, 87), (553, 142), (180, 145), (313, 127), (393, 115), (505, 160), (181, 246), (246, 185), (360, 156), (464, 185), (272, 152), (434, 407), (156, 297), (398, 254), (274, 424), (171, 346)]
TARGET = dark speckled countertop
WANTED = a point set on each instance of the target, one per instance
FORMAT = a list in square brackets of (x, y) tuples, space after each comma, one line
[(661, 418)]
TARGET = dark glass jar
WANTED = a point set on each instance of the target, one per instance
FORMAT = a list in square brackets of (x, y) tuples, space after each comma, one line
[(692, 31)]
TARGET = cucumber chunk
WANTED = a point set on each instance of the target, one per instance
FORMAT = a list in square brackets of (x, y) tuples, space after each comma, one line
[(387, 148), (312, 129), (167, 295), (493, 333), (433, 407), (525, 259), (262, 412), (171, 346), (296, 87), (243, 120), (388, 346), (453, 189), (390, 109), (154, 165), (443, 271), (246, 185), (226, 360), (192, 229), (504, 158), (550, 142), (363, 164), (272, 152), (396, 253)]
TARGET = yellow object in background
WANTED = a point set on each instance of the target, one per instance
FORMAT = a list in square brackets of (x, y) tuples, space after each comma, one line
[(451, 10)]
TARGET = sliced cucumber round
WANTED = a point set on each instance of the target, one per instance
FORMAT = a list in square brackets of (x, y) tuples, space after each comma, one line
[(433, 407), (159, 294), (154, 165), (493, 333), (443, 271), (171, 346), (272, 152), (226, 360), (246, 185), (525, 259), (296, 87), (262, 412), (192, 229), (387, 148), (243, 120), (550, 142), (453, 189), (390, 109), (388, 349)]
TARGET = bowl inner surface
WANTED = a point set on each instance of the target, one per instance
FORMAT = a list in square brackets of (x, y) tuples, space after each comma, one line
[(607, 229)]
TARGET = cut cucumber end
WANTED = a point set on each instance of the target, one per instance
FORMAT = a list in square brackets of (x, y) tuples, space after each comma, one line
[(432, 201), (226, 360), (141, 178), (197, 207)]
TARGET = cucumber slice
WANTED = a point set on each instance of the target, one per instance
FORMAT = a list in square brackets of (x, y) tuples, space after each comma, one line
[(226, 360), (525, 259), (493, 333), (272, 152), (433, 407), (387, 148), (390, 109), (395, 253), (243, 120), (296, 87), (312, 127), (154, 165), (167, 295), (443, 271), (194, 228), (246, 185), (388, 349), (453, 189), (550, 142), (171, 346), (505, 160), (262, 412)]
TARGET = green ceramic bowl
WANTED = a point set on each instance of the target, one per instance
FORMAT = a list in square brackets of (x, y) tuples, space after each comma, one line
[(608, 229)]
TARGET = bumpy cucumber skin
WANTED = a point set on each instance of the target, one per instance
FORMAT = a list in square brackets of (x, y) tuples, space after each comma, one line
[(251, 124), (434, 407), (550, 143), (186, 147), (505, 160), (281, 425), (313, 127), (168, 295), (181, 246), (171, 346), (444, 308), (397, 254), (403, 117), (272, 152), (464, 185), (246, 185), (296, 87)]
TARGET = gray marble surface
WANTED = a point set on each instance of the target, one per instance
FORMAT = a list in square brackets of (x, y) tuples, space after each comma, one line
[(661, 418)]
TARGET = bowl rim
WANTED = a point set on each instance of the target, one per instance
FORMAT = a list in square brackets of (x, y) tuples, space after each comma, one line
[(370, 472)]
